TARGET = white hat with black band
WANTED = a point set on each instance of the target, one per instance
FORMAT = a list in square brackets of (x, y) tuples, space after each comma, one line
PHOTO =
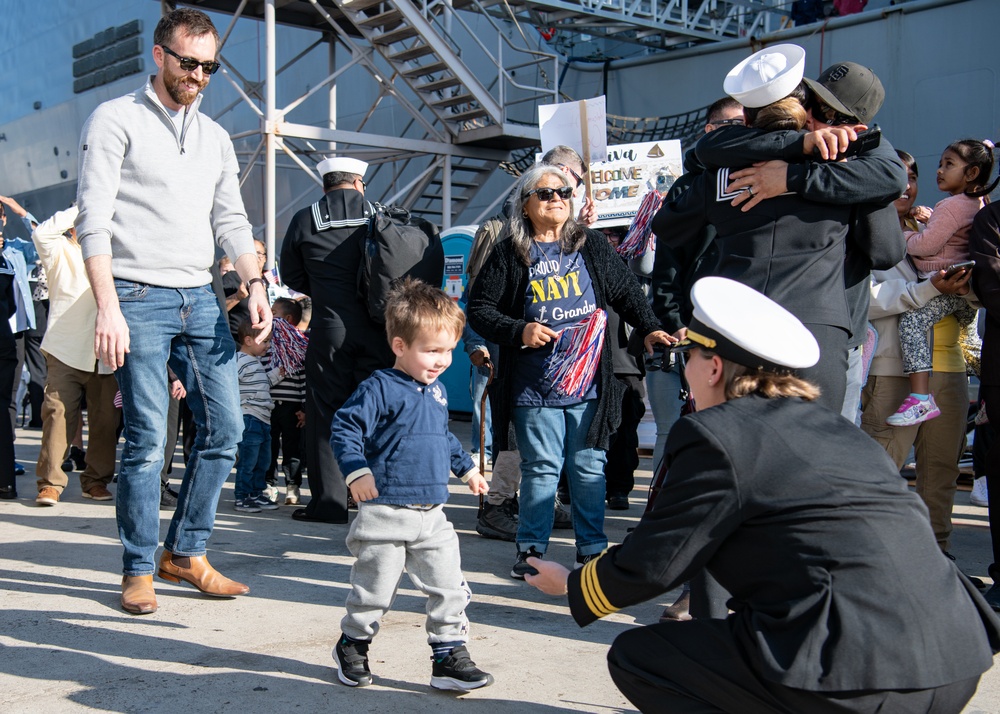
[(342, 164), (746, 327)]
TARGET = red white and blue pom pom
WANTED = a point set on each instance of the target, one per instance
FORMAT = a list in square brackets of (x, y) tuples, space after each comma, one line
[(640, 236), (288, 346), (576, 356)]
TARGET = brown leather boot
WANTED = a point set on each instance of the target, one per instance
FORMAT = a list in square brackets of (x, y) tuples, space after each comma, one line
[(196, 571), (137, 594)]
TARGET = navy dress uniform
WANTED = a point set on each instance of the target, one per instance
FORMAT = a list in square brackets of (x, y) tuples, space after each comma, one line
[(841, 599), (321, 256)]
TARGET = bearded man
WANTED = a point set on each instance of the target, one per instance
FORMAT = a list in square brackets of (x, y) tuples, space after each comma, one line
[(159, 189)]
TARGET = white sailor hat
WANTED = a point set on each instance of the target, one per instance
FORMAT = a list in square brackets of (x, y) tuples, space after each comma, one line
[(743, 326), (344, 164), (766, 76)]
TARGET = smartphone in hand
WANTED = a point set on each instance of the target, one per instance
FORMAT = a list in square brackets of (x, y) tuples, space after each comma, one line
[(952, 270), (867, 140)]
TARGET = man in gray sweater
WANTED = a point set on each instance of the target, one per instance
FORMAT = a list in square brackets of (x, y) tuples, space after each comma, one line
[(158, 190)]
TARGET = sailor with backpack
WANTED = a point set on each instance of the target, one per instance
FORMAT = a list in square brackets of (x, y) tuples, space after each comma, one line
[(345, 252)]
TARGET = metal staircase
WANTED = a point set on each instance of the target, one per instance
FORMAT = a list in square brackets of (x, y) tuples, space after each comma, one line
[(469, 72), (431, 49)]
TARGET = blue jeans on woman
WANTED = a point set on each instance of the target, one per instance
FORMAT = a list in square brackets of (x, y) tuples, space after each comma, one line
[(549, 438), (255, 458), (186, 327)]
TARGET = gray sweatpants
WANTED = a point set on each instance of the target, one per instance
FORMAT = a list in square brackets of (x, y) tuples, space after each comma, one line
[(506, 476), (387, 539)]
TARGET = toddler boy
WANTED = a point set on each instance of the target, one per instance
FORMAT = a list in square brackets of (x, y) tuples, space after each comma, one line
[(391, 441), (256, 404)]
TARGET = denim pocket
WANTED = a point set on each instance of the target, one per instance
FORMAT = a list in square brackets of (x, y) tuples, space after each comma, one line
[(129, 291)]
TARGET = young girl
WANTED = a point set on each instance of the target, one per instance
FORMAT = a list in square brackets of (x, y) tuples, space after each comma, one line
[(963, 172)]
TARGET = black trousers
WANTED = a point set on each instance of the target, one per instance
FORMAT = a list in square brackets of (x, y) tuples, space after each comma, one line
[(991, 395), (623, 453), (37, 367), (698, 667), (830, 373), (286, 437), (8, 365), (338, 359)]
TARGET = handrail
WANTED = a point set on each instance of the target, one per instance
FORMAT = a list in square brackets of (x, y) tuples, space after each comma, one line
[(504, 75)]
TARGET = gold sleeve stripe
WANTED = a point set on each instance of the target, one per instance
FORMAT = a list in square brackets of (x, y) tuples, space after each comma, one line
[(593, 595)]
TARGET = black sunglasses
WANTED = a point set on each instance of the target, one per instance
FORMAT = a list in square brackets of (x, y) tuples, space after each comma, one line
[(574, 174), (729, 122), (547, 194), (827, 114), (189, 64)]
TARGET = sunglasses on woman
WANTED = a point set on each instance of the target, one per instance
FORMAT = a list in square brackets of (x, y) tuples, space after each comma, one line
[(547, 194), (190, 64)]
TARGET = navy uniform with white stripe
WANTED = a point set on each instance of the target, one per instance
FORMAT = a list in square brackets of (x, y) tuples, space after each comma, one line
[(841, 599), (320, 257)]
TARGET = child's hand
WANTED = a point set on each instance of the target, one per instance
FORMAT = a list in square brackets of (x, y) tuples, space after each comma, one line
[(478, 485), (921, 213), (300, 419), (363, 489)]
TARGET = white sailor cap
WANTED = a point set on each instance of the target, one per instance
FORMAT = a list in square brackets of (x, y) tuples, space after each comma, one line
[(344, 164), (766, 76), (743, 326)]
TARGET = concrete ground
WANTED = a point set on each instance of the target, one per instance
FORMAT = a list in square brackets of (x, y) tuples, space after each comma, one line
[(67, 646)]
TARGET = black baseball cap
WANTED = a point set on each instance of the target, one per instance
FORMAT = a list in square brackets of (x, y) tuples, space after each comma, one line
[(851, 89)]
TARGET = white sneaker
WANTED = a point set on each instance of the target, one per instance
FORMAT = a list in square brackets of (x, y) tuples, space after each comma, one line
[(979, 495), (271, 492), (292, 496)]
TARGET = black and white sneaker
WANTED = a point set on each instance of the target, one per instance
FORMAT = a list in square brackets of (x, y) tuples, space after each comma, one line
[(521, 567), (458, 672), (352, 658), (582, 560), (265, 503)]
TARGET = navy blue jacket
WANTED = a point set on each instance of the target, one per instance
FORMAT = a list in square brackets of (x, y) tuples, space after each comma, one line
[(397, 428)]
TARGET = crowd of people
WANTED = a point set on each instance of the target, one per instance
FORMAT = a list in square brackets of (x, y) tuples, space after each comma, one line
[(809, 321)]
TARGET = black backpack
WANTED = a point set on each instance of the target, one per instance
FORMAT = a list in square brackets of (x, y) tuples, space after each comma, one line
[(397, 246)]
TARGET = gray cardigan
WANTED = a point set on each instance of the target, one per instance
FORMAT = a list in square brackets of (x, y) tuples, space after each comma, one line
[(155, 200)]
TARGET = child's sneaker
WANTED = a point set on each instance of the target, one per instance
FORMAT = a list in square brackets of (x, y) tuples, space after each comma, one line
[(246, 505), (458, 672), (291, 495), (914, 411), (521, 567), (264, 502), (582, 560), (271, 492), (352, 660)]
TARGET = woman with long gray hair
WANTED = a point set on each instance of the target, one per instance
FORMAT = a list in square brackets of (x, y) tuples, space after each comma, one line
[(550, 275)]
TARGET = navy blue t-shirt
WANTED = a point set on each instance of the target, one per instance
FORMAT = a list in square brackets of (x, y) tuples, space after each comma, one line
[(559, 294)]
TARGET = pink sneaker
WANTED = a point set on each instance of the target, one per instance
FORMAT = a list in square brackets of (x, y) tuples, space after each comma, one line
[(914, 411)]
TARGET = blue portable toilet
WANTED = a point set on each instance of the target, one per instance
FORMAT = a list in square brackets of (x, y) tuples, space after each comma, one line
[(457, 243)]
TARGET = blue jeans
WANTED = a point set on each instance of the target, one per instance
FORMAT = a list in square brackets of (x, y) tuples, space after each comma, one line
[(548, 438), (663, 389), (478, 378), (186, 327), (255, 457)]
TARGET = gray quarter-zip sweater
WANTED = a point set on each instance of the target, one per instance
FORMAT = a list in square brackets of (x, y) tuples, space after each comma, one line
[(157, 200)]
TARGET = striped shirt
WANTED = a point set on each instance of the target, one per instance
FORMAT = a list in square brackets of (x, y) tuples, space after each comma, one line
[(291, 387), (255, 386)]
